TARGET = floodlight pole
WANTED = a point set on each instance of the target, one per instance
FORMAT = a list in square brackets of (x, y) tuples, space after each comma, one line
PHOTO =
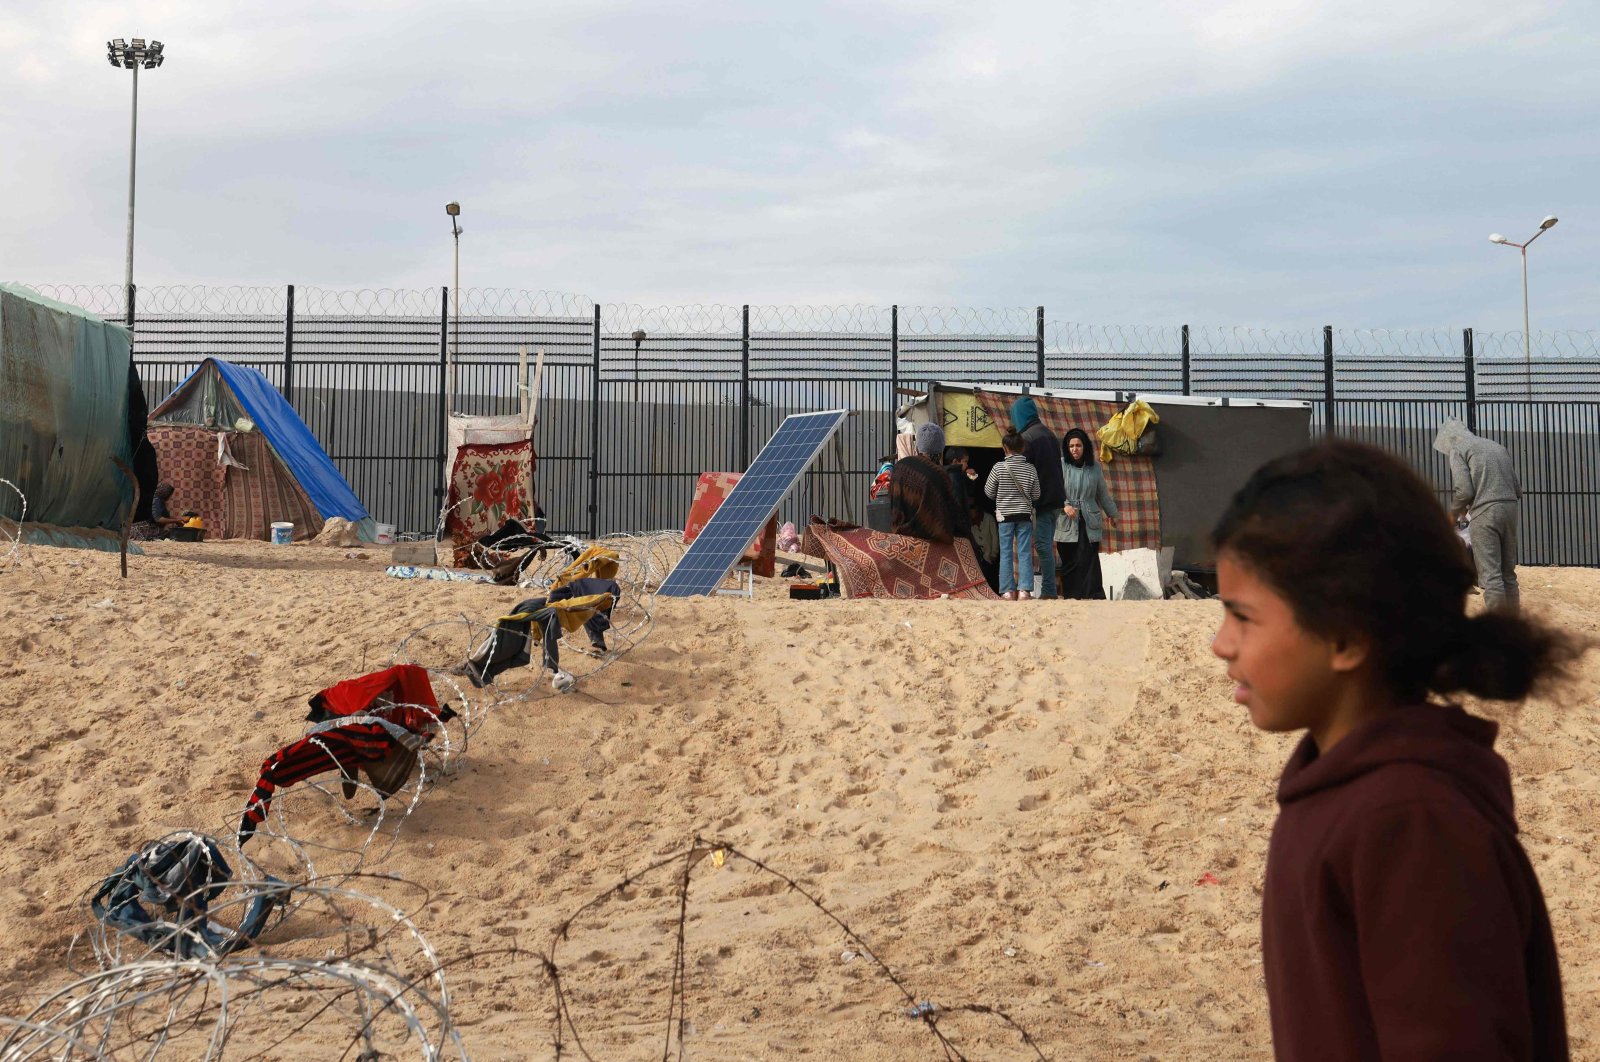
[(131, 55)]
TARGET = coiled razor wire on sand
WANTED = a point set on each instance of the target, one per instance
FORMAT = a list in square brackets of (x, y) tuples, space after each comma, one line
[(324, 826), (249, 1007), (11, 533), (333, 966), (645, 560)]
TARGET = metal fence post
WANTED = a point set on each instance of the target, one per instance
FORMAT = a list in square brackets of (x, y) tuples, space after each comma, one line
[(441, 492), (594, 433), (1330, 422), (894, 357), (744, 393), (1470, 369), (1038, 344), (1185, 359), (288, 346)]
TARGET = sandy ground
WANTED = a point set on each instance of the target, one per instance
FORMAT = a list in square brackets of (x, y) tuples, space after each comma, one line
[(1014, 805)]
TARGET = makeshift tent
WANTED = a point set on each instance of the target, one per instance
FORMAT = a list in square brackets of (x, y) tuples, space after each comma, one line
[(237, 453), (1208, 447), (66, 417), (492, 467)]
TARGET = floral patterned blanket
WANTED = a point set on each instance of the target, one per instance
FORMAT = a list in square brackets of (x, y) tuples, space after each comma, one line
[(490, 484)]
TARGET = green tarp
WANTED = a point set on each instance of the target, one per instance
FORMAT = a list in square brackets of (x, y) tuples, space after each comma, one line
[(63, 411)]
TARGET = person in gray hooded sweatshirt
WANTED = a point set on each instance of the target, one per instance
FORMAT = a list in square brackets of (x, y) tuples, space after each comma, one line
[(1484, 483)]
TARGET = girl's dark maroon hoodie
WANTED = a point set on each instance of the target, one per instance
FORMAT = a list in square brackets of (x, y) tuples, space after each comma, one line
[(1401, 918)]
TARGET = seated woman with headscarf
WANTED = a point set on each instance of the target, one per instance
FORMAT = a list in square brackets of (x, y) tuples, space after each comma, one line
[(922, 500), (1088, 511), (161, 520)]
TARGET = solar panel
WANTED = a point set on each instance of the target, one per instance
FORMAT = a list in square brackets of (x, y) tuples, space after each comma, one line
[(751, 503)]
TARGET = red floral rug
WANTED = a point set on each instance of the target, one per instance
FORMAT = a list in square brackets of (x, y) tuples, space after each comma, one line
[(878, 564), (492, 484), (709, 493)]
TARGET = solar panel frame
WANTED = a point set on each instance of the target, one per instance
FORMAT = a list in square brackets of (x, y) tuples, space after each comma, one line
[(752, 502)]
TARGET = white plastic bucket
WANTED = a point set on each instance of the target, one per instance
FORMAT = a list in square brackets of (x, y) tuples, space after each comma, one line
[(282, 533), (385, 535)]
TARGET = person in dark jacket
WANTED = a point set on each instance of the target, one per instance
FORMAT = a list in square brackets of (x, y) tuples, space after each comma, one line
[(1043, 452), (1401, 918)]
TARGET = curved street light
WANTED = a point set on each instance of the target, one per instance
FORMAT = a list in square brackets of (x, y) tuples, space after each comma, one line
[(1527, 336), (132, 55)]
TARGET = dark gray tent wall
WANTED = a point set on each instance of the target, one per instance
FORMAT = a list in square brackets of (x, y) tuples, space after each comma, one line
[(1208, 451)]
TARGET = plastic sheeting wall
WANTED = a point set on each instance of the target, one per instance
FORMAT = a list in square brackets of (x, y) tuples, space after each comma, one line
[(63, 411), (1207, 452)]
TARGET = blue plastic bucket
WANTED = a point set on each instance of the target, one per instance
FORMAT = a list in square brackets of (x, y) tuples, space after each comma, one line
[(282, 533)]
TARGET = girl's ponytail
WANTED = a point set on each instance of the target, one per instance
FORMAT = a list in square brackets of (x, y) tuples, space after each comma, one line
[(1501, 656), (1359, 545)]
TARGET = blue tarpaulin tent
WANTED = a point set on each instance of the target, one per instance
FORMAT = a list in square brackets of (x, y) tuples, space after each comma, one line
[(220, 396)]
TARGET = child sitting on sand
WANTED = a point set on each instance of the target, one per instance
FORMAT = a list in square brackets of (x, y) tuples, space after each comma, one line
[(1014, 486), (1400, 917)]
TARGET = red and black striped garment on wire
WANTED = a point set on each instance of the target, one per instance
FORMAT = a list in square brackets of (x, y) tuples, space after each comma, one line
[(401, 696)]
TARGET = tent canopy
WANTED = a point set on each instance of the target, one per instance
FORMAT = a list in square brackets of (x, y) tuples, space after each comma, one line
[(219, 394), (63, 411)]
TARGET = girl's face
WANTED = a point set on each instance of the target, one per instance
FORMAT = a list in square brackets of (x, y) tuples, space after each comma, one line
[(1075, 448), (1286, 675)]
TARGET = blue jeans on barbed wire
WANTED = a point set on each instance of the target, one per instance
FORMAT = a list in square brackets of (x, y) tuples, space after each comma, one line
[(1016, 545), (1044, 541)]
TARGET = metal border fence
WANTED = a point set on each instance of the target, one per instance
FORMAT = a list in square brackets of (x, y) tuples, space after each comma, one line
[(637, 401)]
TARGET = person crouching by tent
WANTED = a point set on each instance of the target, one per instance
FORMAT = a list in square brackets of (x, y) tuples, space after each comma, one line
[(922, 501), (161, 520), (1089, 509)]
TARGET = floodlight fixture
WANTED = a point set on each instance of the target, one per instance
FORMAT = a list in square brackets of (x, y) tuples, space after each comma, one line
[(135, 53)]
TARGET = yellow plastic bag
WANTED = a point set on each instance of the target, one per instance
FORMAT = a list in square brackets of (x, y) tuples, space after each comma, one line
[(1122, 432)]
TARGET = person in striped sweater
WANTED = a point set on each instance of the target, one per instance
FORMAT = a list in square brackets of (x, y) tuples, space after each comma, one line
[(1014, 486)]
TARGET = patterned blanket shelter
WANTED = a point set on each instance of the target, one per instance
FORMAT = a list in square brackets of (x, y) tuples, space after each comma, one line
[(236, 452), (1207, 447)]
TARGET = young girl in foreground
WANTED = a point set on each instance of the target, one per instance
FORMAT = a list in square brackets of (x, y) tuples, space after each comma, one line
[(1401, 918)]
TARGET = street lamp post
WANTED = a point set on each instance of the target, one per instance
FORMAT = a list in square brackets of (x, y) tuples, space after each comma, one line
[(1527, 335), (454, 210), (638, 338), (132, 55)]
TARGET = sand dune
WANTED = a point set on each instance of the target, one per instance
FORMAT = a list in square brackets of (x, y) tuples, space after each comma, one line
[(1014, 805)]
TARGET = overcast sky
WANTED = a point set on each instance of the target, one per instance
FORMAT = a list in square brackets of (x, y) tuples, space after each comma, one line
[(1119, 161)]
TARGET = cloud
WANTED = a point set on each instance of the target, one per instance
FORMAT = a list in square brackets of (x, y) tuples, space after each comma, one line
[(1289, 162)]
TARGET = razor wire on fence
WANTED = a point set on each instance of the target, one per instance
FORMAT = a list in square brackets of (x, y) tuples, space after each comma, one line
[(639, 400)]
